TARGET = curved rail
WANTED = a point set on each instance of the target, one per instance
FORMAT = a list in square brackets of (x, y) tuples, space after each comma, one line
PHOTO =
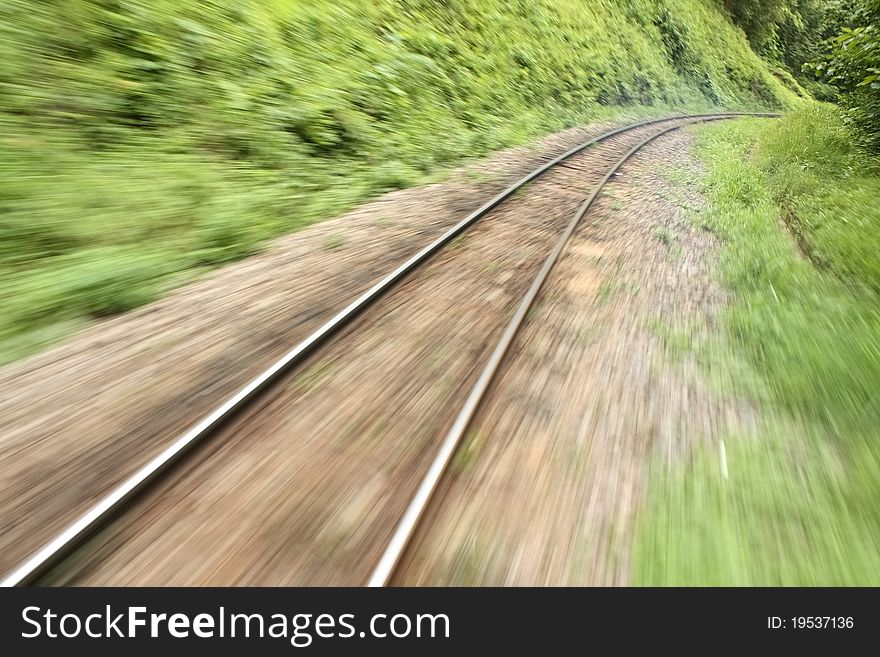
[(409, 522), (97, 515)]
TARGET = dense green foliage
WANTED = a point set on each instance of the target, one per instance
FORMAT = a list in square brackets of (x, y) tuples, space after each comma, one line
[(791, 32), (760, 19), (852, 64), (803, 335), (788, 29), (144, 140)]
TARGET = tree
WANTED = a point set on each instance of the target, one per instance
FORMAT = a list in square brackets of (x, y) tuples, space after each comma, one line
[(789, 31), (852, 64), (759, 19)]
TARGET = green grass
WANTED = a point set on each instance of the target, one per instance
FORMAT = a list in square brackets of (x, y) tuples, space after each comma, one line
[(802, 335), (678, 342), (142, 143), (479, 176), (607, 290), (664, 235), (466, 455), (334, 242)]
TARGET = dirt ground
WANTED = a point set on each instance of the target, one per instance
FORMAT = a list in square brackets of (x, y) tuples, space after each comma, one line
[(548, 486), (79, 418), (307, 485)]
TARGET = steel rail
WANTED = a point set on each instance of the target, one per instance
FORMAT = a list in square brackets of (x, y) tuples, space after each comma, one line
[(415, 511), (97, 515)]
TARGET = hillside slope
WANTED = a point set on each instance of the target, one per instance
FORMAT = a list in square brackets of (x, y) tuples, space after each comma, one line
[(144, 141)]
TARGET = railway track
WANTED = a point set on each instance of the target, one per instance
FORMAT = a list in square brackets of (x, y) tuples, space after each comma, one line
[(83, 546)]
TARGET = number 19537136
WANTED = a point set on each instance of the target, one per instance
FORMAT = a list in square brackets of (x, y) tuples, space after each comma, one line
[(810, 623)]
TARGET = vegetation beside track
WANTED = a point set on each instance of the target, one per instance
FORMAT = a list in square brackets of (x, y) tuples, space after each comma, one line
[(143, 142), (795, 203)]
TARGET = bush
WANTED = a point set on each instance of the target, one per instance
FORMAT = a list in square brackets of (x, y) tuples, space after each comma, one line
[(852, 64), (209, 126)]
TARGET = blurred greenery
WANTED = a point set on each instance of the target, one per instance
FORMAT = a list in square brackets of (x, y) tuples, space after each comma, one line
[(788, 29), (794, 34), (143, 141), (795, 203), (850, 63)]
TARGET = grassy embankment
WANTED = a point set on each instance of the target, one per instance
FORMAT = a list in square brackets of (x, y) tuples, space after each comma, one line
[(143, 142), (796, 205)]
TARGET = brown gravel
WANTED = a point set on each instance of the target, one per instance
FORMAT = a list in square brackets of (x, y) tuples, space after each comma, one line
[(77, 419), (547, 488), (306, 488)]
